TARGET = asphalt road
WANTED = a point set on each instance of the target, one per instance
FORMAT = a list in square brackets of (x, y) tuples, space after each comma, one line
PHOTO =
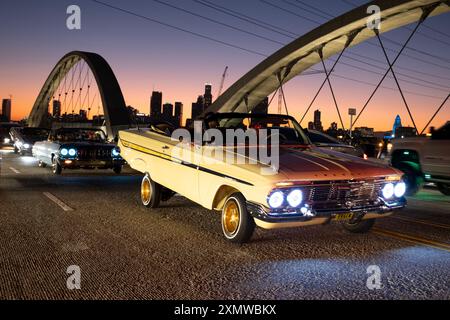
[(94, 220)]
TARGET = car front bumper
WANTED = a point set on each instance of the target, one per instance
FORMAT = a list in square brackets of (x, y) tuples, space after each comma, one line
[(104, 164), (269, 220)]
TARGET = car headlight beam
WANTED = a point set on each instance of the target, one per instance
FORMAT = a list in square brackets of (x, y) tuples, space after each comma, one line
[(276, 200), (388, 191), (400, 189), (72, 152), (115, 152), (295, 198)]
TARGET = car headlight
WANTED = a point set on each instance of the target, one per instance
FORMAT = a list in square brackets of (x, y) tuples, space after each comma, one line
[(388, 191), (72, 152), (26, 146), (276, 199), (295, 198), (400, 189), (115, 152), (6, 140), (64, 152)]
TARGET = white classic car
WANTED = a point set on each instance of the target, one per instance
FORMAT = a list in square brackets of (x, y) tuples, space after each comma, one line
[(300, 185)]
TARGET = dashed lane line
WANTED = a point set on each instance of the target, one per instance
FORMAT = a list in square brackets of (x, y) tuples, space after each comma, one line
[(61, 204), (14, 170)]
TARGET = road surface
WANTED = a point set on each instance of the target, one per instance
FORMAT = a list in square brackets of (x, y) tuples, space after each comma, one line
[(94, 220)]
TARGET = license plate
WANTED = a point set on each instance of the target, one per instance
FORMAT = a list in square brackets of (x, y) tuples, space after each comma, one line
[(343, 217)]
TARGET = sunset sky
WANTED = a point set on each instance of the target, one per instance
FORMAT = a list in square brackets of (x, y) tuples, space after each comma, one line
[(147, 56)]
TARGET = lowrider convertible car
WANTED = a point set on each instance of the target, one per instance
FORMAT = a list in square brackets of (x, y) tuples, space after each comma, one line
[(311, 185), (74, 148)]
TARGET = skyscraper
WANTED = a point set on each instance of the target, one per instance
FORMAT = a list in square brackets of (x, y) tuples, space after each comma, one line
[(6, 110), (262, 107), (317, 120), (207, 96), (178, 117), (156, 104), (167, 111), (197, 108), (56, 112), (397, 124)]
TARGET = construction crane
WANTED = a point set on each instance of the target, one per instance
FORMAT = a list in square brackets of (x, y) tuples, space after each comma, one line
[(222, 82), (281, 93)]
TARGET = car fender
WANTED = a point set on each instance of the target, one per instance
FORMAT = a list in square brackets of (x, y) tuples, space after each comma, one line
[(221, 195)]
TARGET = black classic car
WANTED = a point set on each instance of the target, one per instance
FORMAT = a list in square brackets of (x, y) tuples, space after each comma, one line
[(24, 138), (74, 148)]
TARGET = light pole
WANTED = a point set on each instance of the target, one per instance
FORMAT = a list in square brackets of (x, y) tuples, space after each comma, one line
[(351, 112)]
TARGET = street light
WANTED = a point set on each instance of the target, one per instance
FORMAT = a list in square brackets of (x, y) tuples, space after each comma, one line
[(351, 112)]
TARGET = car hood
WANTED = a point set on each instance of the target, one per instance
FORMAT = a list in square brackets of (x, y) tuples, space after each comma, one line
[(341, 148), (313, 163), (83, 144)]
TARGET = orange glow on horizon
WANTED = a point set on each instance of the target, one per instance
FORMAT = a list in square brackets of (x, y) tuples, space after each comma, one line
[(380, 113)]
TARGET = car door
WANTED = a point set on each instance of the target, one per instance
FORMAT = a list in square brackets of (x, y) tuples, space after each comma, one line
[(181, 172)]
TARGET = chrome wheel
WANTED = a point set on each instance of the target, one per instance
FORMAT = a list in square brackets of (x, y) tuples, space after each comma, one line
[(231, 218), (146, 191), (237, 224), (56, 167)]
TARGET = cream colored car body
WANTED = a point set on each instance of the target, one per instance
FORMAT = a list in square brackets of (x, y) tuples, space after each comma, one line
[(209, 183)]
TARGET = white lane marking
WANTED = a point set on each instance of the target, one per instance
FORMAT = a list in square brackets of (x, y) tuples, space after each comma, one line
[(14, 170), (61, 204)]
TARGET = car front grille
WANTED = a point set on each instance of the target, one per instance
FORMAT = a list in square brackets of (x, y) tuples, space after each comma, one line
[(343, 194)]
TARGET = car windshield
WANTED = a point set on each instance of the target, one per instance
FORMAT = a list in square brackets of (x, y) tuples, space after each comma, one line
[(289, 132), (74, 135), (317, 137)]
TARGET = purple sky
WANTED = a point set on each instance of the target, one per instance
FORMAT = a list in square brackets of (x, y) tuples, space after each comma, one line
[(146, 55)]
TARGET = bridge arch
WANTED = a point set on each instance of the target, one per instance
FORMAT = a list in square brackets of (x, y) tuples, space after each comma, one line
[(115, 111), (323, 42)]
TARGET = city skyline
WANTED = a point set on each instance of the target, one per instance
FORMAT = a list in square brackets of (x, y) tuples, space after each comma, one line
[(181, 64)]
